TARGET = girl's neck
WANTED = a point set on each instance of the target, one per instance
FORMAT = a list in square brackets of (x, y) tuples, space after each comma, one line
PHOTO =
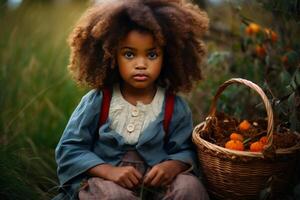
[(133, 95)]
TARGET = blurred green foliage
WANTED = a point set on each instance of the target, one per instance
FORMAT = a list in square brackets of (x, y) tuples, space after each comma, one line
[(37, 95), (287, 9)]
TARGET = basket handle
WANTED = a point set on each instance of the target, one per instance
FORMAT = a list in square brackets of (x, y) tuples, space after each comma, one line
[(255, 87)]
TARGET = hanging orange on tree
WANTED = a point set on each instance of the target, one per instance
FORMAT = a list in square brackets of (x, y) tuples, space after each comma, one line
[(252, 29)]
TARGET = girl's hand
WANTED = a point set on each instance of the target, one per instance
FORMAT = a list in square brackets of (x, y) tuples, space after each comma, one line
[(126, 176), (164, 173)]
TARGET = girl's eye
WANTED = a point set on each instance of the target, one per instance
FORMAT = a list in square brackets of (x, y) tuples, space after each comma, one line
[(128, 55), (152, 55)]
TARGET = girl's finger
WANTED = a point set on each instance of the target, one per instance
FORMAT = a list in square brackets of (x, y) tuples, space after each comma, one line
[(132, 177), (137, 174), (149, 176), (128, 184), (166, 182), (157, 180)]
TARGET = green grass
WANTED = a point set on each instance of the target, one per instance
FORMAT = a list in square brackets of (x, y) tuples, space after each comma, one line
[(36, 97)]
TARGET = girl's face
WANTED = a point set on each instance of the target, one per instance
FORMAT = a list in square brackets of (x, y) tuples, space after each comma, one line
[(139, 60)]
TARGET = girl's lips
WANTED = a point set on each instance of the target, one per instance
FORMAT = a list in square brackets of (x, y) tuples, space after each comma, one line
[(140, 77)]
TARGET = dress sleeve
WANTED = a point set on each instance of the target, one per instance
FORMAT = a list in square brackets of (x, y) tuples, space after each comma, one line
[(73, 153), (179, 145)]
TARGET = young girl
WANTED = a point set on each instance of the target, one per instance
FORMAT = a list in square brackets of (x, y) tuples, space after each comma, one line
[(141, 52)]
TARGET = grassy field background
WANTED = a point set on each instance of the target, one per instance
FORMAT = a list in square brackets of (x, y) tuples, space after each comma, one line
[(36, 96)]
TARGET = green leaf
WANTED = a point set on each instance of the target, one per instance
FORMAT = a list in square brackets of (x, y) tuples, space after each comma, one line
[(297, 77), (293, 109), (293, 57), (297, 191), (217, 57), (265, 193), (294, 84)]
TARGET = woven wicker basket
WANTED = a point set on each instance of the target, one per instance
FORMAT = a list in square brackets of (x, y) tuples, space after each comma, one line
[(231, 174)]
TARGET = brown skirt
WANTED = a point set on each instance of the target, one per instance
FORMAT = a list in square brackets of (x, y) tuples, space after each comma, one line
[(185, 186)]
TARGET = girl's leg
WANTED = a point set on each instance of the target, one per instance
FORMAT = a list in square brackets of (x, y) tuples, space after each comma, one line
[(186, 186), (98, 188)]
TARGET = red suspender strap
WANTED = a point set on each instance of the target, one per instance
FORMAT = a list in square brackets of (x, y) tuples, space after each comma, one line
[(106, 93), (106, 97), (169, 107)]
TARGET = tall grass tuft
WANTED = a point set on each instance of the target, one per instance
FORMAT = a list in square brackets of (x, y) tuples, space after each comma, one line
[(36, 96)]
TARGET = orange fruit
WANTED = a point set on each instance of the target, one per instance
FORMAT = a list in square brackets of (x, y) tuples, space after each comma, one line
[(252, 29), (271, 34), (260, 51), (234, 145), (285, 60), (264, 140), (248, 31), (257, 146), (274, 37), (290, 58), (244, 125), (236, 136)]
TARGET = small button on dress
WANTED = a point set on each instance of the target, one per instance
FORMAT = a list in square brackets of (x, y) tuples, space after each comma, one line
[(135, 112), (130, 128)]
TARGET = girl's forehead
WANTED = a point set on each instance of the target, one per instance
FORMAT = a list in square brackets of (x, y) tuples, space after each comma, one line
[(140, 39)]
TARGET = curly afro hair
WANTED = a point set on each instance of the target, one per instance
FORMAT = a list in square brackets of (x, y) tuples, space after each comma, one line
[(176, 25)]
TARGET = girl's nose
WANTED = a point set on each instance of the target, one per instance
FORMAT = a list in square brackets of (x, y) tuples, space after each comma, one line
[(141, 63)]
